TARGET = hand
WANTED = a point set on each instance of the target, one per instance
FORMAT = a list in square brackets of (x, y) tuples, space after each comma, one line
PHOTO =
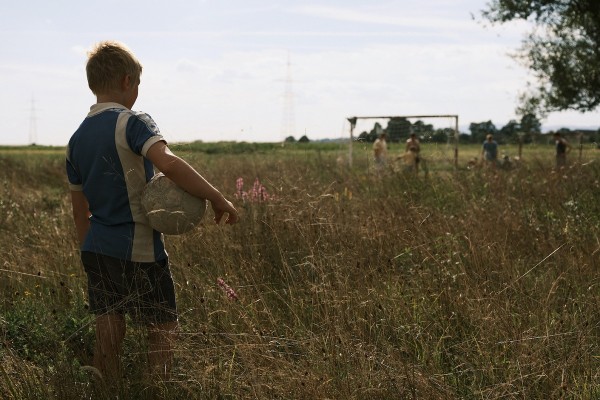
[(221, 208)]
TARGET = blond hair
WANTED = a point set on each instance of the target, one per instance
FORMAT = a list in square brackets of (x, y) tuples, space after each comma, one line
[(108, 63)]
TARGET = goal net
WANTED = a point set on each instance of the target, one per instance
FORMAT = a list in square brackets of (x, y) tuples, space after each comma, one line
[(439, 134)]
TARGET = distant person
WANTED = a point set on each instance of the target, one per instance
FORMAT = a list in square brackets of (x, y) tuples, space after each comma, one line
[(505, 162), (410, 160), (110, 158), (489, 151), (380, 151), (412, 143), (413, 150), (562, 148)]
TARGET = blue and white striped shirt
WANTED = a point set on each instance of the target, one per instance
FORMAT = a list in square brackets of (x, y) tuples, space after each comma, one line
[(106, 160)]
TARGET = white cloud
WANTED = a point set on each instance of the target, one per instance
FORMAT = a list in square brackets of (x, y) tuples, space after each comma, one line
[(187, 66), (369, 15)]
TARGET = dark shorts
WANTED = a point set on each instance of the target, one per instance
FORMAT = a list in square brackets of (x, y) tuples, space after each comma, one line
[(144, 290)]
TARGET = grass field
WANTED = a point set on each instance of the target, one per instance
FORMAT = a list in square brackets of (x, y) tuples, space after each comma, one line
[(462, 284)]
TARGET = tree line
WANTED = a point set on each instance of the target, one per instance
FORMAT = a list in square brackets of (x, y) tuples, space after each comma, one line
[(525, 130), (398, 129)]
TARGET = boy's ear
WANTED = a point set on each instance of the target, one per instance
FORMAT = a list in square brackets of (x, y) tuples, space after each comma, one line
[(126, 82)]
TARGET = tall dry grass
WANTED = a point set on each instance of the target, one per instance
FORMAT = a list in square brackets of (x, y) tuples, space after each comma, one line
[(466, 284)]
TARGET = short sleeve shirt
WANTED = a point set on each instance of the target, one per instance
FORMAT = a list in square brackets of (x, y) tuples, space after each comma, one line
[(106, 160), (413, 143), (380, 148), (561, 147), (490, 150)]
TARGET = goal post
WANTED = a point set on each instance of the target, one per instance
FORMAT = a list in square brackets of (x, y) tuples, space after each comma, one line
[(353, 121)]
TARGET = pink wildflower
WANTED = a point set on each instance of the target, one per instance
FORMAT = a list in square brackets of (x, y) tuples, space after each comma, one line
[(227, 289), (257, 194)]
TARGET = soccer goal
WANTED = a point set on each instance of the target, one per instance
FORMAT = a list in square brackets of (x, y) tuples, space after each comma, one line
[(451, 134)]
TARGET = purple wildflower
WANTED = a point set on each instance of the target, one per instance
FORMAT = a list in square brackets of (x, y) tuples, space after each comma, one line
[(227, 289)]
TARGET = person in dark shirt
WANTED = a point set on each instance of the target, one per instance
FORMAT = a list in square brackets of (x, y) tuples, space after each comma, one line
[(489, 151), (562, 148)]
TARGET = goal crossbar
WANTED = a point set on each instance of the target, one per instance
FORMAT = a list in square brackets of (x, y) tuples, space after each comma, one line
[(404, 116)]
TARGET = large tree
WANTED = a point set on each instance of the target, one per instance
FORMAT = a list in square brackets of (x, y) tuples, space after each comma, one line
[(372, 135), (531, 125), (479, 130), (421, 129), (398, 129), (563, 52), (509, 132)]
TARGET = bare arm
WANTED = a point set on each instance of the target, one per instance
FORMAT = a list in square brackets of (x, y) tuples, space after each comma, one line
[(81, 214), (191, 181)]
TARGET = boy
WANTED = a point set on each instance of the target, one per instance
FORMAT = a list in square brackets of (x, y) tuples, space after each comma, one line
[(380, 151), (489, 150), (413, 144), (562, 148), (110, 158), (413, 147)]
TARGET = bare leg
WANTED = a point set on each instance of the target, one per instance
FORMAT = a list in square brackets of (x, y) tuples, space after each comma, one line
[(110, 332), (160, 350)]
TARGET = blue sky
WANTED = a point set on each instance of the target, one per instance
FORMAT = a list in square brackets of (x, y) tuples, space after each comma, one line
[(216, 70)]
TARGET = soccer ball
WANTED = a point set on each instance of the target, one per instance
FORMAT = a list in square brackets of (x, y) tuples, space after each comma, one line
[(170, 209)]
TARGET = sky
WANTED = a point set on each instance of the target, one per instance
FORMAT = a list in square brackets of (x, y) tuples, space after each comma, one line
[(261, 70)]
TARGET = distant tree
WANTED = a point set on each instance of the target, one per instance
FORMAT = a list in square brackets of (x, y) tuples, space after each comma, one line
[(368, 136), (290, 139), (531, 124), (480, 130), (441, 135), (374, 133), (531, 127), (422, 129), (398, 129), (463, 137), (563, 51), (509, 132), (304, 139)]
